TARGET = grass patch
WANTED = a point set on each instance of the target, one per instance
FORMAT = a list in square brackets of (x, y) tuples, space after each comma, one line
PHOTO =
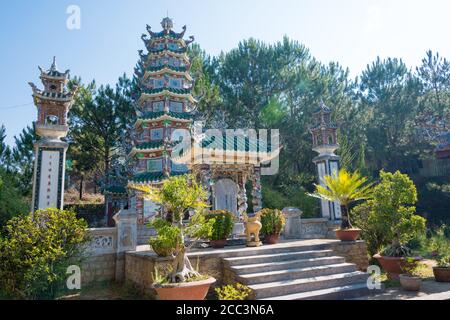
[(105, 290)]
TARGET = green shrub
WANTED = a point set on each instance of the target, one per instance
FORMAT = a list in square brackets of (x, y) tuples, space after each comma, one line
[(388, 220), (223, 224), (36, 251), (167, 239), (233, 292), (438, 245), (12, 203), (272, 221), (292, 197)]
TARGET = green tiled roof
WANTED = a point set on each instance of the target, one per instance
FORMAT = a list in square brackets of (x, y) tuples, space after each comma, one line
[(236, 144), (150, 145), (176, 115), (173, 90), (55, 73), (158, 68), (171, 34), (153, 176), (116, 190)]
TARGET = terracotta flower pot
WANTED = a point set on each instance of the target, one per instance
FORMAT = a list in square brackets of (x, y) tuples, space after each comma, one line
[(271, 238), (218, 244), (196, 290), (393, 265), (347, 234), (442, 274), (410, 283)]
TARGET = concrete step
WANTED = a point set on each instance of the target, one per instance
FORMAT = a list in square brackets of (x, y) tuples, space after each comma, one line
[(335, 293), (273, 249), (264, 258), (287, 287), (294, 274), (282, 265)]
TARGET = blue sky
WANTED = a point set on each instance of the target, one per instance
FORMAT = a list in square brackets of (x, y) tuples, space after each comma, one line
[(352, 32)]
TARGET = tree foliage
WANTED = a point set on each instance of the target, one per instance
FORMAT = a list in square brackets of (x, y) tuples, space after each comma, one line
[(35, 253), (389, 219)]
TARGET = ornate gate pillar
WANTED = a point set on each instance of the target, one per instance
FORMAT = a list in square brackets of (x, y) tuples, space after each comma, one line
[(256, 192)]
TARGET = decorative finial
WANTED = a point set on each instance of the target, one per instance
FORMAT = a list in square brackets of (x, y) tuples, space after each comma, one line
[(54, 67), (323, 107), (167, 24)]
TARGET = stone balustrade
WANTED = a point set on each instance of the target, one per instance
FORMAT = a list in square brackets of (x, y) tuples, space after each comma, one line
[(104, 254), (99, 262)]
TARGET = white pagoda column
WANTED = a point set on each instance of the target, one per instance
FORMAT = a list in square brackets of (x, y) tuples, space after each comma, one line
[(327, 163), (53, 104)]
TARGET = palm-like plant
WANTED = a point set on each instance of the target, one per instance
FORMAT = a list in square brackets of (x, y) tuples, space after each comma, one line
[(344, 187)]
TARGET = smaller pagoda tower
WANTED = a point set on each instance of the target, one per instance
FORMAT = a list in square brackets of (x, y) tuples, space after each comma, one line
[(327, 163), (53, 104)]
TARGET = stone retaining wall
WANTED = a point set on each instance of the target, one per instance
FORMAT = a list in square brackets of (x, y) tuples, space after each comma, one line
[(140, 268), (353, 252)]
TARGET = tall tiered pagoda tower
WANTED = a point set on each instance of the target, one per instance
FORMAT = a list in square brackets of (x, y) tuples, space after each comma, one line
[(165, 103), (327, 163), (53, 104)]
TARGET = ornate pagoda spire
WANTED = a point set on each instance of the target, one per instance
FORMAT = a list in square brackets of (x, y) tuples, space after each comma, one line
[(324, 130), (167, 24), (165, 103)]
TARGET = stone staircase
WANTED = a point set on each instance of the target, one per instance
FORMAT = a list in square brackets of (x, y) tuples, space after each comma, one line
[(296, 273)]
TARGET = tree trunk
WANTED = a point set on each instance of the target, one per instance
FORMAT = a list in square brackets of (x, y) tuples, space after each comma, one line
[(81, 187), (182, 268), (345, 224)]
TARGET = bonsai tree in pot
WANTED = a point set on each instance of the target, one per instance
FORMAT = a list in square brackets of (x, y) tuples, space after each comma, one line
[(344, 187), (222, 227), (177, 195), (439, 245), (442, 270), (389, 217), (411, 278), (273, 222)]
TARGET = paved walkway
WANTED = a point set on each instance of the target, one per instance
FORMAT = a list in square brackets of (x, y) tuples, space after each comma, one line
[(431, 290)]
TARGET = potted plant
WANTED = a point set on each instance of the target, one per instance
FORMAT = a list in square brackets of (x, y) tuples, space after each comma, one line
[(439, 244), (176, 196), (344, 187), (222, 227), (411, 278), (390, 215), (442, 270), (272, 221)]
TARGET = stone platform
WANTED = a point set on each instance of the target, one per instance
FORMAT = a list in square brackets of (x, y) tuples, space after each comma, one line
[(328, 268)]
